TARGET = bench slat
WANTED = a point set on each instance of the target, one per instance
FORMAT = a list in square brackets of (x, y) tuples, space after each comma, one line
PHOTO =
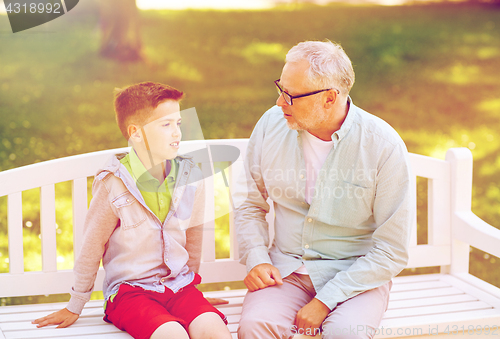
[(27, 325), (80, 206), (32, 315), (438, 300), (48, 227), (410, 295), (413, 193), (428, 167), (429, 255), (439, 224), (493, 300), (63, 333), (46, 283), (15, 229), (44, 307), (222, 270), (235, 170), (49, 172), (437, 309), (488, 317), (405, 279), (120, 335), (208, 254), (418, 286)]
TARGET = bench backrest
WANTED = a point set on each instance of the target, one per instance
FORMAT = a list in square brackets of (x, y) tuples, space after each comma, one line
[(449, 185)]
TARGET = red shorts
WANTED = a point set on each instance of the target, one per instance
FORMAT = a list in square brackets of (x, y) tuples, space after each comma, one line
[(140, 312)]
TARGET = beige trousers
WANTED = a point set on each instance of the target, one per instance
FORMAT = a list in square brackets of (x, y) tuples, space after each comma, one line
[(270, 312)]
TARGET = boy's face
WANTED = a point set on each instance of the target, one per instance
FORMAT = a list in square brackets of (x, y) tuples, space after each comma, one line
[(161, 135)]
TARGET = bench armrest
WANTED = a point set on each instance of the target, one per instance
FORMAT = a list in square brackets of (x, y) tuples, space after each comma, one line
[(470, 229)]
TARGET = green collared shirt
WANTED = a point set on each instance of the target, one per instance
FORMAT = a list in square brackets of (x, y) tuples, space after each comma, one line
[(157, 196)]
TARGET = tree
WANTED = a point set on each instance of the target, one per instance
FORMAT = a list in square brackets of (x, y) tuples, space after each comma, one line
[(120, 31)]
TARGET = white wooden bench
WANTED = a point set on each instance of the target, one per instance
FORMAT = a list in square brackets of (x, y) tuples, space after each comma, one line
[(421, 305)]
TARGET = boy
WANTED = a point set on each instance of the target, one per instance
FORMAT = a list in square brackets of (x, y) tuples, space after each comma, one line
[(145, 222)]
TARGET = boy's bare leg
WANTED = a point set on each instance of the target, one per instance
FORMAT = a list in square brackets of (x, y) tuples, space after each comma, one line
[(172, 329), (208, 325)]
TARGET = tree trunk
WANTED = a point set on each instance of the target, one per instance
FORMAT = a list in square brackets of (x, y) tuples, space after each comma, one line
[(120, 36)]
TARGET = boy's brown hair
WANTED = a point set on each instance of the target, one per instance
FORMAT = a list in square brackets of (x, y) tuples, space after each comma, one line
[(134, 103)]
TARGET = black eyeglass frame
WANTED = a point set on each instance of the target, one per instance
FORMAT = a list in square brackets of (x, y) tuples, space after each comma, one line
[(281, 91)]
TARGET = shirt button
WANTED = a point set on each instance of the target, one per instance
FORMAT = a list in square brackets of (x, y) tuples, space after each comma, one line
[(128, 200), (310, 220), (302, 176), (162, 280), (166, 259), (306, 246)]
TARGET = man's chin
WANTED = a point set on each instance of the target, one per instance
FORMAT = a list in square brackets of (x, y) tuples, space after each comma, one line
[(293, 125)]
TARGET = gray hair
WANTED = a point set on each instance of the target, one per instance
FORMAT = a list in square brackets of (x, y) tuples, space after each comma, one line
[(329, 65)]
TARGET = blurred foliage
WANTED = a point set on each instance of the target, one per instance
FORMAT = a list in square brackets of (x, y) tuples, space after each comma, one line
[(431, 71)]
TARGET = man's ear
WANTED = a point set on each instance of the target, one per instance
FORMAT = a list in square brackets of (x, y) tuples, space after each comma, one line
[(330, 98), (135, 133)]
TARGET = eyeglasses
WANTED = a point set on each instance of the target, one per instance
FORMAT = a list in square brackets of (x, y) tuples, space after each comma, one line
[(289, 98)]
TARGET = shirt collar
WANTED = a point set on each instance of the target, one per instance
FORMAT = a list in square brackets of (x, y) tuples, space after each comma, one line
[(140, 172), (346, 125)]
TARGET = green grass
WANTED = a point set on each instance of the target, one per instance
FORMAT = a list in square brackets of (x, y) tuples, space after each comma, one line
[(431, 71)]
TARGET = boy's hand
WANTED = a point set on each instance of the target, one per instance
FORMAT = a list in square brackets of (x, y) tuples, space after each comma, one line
[(217, 301), (63, 318)]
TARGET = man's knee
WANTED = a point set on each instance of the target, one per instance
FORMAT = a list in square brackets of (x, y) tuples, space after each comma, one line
[(261, 327), (251, 323)]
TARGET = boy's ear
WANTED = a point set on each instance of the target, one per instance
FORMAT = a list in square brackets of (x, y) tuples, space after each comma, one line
[(135, 133)]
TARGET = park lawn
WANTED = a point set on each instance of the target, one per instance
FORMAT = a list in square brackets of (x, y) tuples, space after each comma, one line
[(431, 71)]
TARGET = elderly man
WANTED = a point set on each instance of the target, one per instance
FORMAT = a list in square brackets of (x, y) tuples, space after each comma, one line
[(340, 184)]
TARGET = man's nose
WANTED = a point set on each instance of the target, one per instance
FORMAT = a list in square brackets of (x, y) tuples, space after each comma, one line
[(281, 101)]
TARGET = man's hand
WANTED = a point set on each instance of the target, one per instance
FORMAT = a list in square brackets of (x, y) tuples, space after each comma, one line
[(262, 276), (63, 318), (311, 316)]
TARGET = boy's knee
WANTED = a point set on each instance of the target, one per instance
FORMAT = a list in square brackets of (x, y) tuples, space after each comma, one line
[(171, 328), (207, 326)]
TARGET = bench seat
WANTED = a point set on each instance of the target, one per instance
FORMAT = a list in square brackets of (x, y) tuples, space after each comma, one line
[(420, 305)]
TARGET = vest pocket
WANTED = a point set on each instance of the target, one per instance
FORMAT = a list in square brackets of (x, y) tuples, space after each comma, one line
[(130, 210)]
